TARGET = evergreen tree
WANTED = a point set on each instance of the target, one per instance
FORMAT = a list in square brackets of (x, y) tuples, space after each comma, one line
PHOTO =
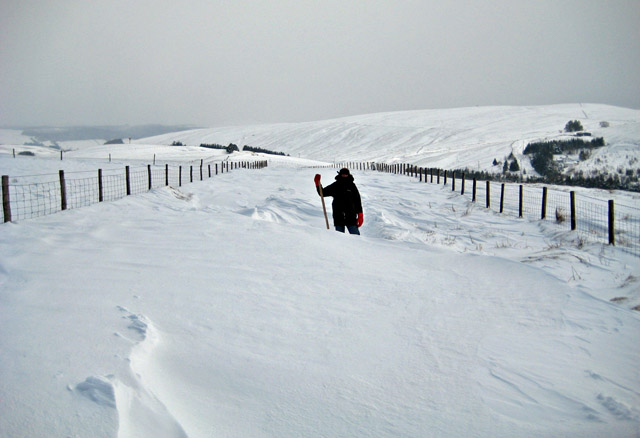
[(573, 126)]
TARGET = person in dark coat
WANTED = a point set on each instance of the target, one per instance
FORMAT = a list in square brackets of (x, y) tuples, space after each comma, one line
[(346, 205)]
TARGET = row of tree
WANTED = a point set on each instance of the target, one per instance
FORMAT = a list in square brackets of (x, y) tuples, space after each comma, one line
[(542, 152), (233, 148)]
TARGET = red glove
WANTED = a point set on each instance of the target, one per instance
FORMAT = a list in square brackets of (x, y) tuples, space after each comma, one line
[(360, 220), (317, 179)]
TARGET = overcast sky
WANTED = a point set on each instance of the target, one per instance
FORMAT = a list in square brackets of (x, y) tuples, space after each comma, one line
[(220, 62)]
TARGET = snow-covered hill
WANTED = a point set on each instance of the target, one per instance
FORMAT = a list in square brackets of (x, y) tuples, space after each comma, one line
[(446, 138), (450, 138)]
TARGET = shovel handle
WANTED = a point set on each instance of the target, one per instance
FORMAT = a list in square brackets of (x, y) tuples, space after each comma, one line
[(324, 208)]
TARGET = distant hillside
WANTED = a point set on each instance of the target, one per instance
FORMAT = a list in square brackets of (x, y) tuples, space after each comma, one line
[(74, 133), (481, 139)]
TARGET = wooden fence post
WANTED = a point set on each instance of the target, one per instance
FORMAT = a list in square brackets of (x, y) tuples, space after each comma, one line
[(63, 191), (216, 168), (438, 180), (149, 173), (166, 174), (574, 221), (445, 177), (612, 233), (128, 180), (520, 207), (179, 176), (453, 181), (6, 203), (201, 164), (488, 195), (209, 167), (502, 198), (475, 184), (100, 188), (190, 173), (543, 215), (462, 191)]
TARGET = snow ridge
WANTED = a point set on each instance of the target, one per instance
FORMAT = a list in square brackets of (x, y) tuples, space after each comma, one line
[(139, 411)]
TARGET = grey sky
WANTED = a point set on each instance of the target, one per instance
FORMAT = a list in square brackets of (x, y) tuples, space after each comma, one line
[(218, 62)]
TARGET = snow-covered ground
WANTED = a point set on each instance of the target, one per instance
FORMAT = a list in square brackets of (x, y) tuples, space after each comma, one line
[(226, 308)]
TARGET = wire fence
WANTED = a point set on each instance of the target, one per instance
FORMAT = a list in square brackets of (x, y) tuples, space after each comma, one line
[(40, 195), (593, 219)]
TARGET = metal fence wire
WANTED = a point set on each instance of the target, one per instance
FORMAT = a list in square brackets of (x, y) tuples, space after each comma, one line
[(39, 195), (593, 219)]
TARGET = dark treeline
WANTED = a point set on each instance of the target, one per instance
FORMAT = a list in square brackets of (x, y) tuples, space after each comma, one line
[(542, 154), (561, 146), (232, 147), (262, 151)]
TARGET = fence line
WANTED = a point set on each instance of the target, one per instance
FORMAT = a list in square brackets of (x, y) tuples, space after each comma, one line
[(50, 195), (593, 219)]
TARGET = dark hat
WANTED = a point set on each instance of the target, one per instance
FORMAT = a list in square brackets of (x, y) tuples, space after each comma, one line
[(344, 171)]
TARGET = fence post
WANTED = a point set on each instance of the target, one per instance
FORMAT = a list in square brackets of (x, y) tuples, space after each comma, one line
[(462, 191), (543, 215), (453, 181), (438, 180), (149, 173), (574, 224), (166, 174), (60, 155), (127, 176), (216, 168), (209, 166), (475, 184), (100, 188), (6, 203), (190, 173), (521, 200), (488, 195), (179, 176), (612, 234), (63, 191), (502, 198), (201, 164), (445, 177)]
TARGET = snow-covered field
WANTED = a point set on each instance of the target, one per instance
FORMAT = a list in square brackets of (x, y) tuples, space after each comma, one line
[(225, 308)]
